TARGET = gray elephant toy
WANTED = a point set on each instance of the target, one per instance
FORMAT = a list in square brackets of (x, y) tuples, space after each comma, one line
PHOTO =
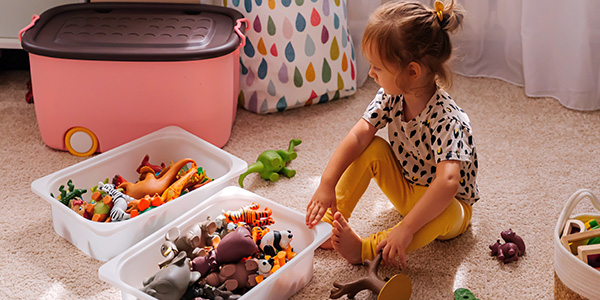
[(271, 163), (171, 282), (192, 241)]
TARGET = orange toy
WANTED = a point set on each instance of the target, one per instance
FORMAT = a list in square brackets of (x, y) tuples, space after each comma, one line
[(175, 189), (100, 209), (149, 184), (250, 215)]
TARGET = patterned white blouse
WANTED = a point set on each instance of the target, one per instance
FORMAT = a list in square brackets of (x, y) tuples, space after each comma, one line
[(442, 131)]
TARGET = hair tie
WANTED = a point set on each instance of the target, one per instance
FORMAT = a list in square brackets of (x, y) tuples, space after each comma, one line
[(439, 10)]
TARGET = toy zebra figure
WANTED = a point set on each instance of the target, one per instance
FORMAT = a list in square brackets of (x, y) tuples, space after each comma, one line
[(250, 215), (120, 200)]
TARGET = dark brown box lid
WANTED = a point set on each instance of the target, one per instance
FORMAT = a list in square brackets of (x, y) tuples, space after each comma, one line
[(134, 32)]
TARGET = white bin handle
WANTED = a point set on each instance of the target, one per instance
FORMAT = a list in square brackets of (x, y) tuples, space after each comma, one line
[(33, 20)]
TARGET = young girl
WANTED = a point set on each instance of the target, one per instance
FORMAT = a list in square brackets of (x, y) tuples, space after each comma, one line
[(428, 168)]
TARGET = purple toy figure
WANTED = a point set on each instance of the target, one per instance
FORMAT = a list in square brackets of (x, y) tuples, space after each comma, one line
[(511, 249), (234, 246)]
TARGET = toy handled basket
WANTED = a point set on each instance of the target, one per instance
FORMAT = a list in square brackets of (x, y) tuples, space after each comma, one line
[(574, 279)]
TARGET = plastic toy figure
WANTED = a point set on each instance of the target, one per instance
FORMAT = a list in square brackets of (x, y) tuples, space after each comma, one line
[(511, 249), (250, 215), (70, 193), (78, 206), (240, 275), (271, 163), (275, 241), (145, 163), (191, 241), (234, 246), (120, 200), (99, 208), (464, 294), (398, 287), (171, 282), (151, 184)]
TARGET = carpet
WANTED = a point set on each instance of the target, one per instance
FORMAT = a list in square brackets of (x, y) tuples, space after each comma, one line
[(533, 155)]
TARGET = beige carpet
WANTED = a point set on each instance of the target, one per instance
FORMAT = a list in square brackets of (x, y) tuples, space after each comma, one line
[(533, 153)]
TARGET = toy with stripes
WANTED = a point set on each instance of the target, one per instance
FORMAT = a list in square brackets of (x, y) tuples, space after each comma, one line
[(250, 215)]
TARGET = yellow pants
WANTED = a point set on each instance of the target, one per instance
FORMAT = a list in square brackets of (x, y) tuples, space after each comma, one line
[(379, 162)]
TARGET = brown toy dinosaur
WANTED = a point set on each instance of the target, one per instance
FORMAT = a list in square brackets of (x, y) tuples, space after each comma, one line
[(150, 184)]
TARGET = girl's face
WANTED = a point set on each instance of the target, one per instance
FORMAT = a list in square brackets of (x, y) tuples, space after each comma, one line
[(384, 75)]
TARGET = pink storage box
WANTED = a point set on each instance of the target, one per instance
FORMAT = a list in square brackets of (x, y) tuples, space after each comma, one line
[(104, 74)]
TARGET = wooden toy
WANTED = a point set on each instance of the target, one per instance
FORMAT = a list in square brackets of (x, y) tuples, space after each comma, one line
[(573, 226), (568, 240), (586, 250)]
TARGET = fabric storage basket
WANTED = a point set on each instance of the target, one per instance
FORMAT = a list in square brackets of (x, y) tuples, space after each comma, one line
[(297, 53), (574, 279), (106, 73)]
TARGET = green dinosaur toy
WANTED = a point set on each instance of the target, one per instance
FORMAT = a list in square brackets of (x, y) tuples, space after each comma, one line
[(463, 294), (271, 163)]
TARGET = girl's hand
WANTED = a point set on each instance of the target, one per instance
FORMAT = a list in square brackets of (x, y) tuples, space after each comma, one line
[(394, 245), (323, 199)]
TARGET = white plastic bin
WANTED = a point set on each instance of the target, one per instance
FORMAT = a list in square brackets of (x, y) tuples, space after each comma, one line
[(104, 241), (128, 270)]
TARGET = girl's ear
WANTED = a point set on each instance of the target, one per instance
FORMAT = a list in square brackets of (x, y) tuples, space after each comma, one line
[(414, 69)]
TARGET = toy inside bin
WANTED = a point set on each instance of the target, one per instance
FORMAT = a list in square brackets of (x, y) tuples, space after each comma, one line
[(104, 241), (106, 73), (128, 270)]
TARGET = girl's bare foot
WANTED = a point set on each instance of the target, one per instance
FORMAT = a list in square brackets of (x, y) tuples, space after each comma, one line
[(327, 245), (345, 240)]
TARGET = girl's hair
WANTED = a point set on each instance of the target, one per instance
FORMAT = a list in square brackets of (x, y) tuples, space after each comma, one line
[(403, 32)]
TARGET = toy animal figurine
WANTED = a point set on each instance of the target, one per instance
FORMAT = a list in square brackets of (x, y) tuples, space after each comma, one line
[(78, 206), (136, 207), (233, 247), (120, 200), (511, 249), (275, 241), (150, 184), (398, 287), (69, 194), (241, 275), (250, 215), (271, 163), (99, 208), (203, 291), (264, 268), (145, 163), (463, 294), (175, 189), (171, 282), (192, 241)]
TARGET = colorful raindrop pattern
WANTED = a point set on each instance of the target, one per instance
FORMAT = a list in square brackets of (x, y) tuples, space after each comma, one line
[(297, 53)]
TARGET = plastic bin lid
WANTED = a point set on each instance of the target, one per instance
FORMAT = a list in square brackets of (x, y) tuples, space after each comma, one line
[(134, 32)]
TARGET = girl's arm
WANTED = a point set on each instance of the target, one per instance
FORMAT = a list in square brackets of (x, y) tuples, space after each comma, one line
[(347, 151), (435, 200)]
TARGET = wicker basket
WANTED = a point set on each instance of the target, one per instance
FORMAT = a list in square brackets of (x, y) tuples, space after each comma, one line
[(561, 291), (574, 279)]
